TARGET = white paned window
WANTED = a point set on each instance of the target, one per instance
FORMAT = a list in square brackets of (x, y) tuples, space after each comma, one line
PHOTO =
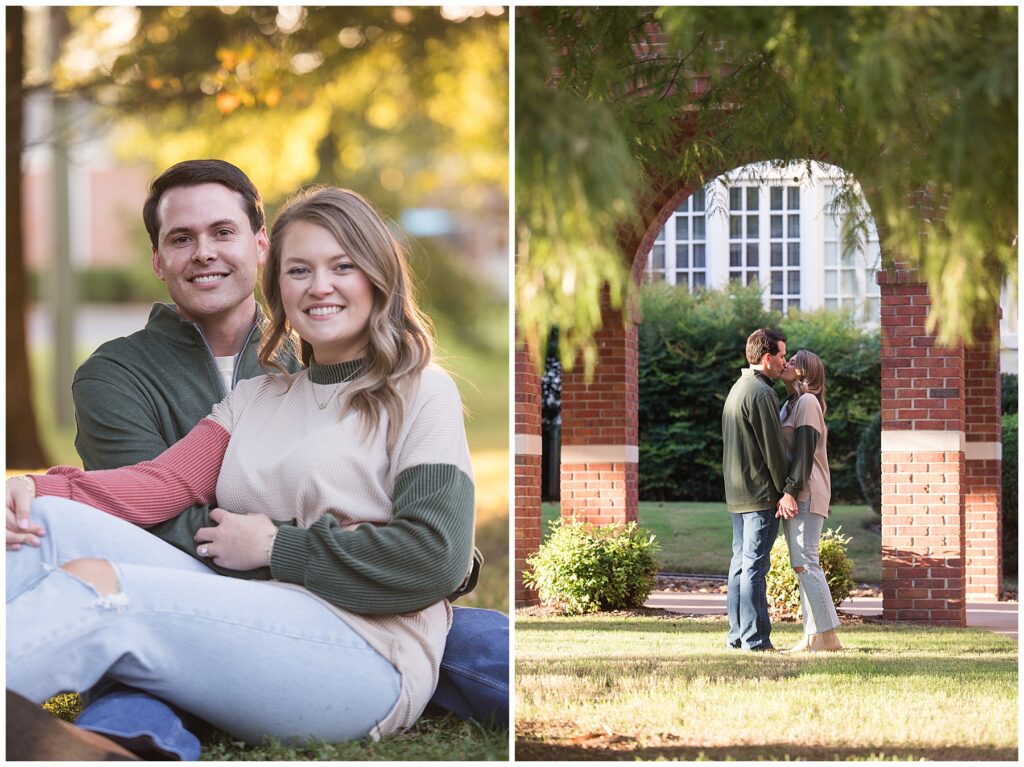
[(850, 271), (784, 247), (691, 259), (767, 226), (656, 259), (744, 234), (679, 255)]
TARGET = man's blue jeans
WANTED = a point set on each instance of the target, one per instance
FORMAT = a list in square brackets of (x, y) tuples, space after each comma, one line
[(753, 535), (473, 682)]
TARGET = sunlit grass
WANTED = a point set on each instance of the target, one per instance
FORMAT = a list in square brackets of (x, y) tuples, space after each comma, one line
[(653, 687)]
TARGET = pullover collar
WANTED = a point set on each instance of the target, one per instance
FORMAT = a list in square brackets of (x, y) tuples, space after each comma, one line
[(339, 372), (165, 320), (757, 374)]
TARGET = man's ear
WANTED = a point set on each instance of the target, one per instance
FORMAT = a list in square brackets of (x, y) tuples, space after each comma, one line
[(262, 246), (158, 268)]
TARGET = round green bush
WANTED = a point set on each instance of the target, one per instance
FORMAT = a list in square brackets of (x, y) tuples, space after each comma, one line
[(584, 568), (869, 463), (783, 587)]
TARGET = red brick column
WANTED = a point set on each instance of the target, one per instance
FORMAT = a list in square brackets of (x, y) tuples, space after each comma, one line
[(528, 460), (599, 429), (923, 476), (983, 452)]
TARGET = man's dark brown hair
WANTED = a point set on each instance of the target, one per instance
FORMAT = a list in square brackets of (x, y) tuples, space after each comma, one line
[(761, 342), (194, 173)]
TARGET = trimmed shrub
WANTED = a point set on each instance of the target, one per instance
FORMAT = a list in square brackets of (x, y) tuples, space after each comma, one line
[(869, 463), (583, 568), (1008, 391), (691, 351), (1010, 494), (783, 587)]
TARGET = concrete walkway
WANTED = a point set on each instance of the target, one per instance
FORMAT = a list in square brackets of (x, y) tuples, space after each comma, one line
[(1000, 617)]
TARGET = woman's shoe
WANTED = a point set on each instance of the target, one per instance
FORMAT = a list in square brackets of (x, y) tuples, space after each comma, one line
[(810, 643)]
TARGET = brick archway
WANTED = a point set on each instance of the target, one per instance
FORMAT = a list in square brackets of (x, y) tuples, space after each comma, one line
[(941, 449)]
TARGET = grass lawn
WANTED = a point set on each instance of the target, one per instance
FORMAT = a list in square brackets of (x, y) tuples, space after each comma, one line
[(697, 537), (629, 687), (482, 378)]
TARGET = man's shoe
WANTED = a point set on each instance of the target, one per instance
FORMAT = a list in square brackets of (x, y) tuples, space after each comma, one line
[(762, 648)]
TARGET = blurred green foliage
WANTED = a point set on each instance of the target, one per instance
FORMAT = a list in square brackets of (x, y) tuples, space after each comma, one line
[(1009, 393), (869, 463), (399, 103), (917, 104)]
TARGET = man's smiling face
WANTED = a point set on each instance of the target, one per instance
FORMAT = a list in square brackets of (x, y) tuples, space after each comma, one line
[(206, 251)]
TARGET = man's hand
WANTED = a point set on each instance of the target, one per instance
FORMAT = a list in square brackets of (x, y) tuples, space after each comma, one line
[(20, 492), (238, 542), (787, 507)]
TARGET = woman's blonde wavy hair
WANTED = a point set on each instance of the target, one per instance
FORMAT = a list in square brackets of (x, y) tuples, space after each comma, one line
[(812, 375), (400, 338)]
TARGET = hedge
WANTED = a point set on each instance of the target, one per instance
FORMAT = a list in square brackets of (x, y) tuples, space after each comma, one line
[(1010, 494), (691, 351)]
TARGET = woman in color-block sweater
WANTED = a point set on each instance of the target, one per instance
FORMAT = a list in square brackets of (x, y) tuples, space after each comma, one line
[(805, 434), (367, 441)]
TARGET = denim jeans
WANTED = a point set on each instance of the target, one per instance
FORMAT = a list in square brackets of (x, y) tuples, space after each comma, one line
[(248, 657), (473, 683), (753, 535), (803, 534)]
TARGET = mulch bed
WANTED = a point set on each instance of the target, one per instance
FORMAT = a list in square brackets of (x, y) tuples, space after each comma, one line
[(702, 584)]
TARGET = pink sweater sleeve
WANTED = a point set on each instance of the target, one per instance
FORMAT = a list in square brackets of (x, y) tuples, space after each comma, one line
[(149, 492)]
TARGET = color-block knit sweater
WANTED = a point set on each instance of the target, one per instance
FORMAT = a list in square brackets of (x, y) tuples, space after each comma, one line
[(805, 436), (268, 447)]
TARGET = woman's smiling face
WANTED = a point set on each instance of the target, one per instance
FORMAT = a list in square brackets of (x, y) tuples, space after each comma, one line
[(326, 297)]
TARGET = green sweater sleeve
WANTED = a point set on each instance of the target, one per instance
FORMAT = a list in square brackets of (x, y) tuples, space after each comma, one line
[(411, 563), (768, 433), (803, 459)]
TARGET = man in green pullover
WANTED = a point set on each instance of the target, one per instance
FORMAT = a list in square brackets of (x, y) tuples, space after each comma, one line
[(757, 492), (136, 396)]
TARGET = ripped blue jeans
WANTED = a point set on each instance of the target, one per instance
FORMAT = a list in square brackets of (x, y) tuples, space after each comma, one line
[(803, 535), (248, 657)]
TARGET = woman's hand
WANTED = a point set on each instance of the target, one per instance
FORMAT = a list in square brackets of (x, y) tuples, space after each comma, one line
[(238, 542), (787, 507), (20, 492)]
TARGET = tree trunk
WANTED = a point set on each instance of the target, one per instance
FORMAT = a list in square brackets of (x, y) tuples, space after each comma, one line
[(24, 449)]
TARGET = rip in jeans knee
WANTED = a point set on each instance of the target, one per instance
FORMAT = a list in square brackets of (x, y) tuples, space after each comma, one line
[(798, 569), (97, 574)]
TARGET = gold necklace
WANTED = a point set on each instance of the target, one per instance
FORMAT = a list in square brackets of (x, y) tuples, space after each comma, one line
[(323, 405)]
